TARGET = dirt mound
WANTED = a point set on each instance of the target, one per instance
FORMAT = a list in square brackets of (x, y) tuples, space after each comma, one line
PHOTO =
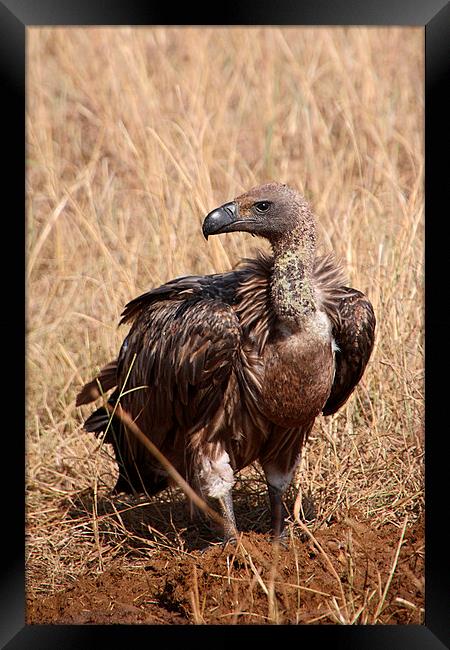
[(347, 573)]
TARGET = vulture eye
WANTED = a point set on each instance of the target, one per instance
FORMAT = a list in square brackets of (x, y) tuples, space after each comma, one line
[(262, 206)]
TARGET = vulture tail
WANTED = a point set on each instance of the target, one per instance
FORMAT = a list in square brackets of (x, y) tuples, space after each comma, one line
[(102, 383), (98, 421), (131, 480), (102, 420)]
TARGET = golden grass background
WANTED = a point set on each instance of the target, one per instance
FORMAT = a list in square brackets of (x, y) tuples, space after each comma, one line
[(133, 135)]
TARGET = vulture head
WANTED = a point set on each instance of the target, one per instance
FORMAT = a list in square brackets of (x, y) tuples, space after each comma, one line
[(273, 211)]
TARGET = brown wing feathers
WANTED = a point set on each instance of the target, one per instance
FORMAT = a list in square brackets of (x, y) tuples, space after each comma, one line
[(185, 351), (354, 333)]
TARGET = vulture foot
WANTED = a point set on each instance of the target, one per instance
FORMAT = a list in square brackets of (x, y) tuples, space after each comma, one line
[(282, 539)]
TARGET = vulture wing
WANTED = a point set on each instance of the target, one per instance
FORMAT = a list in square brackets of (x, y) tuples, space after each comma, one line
[(176, 374), (178, 364), (102, 383), (354, 334)]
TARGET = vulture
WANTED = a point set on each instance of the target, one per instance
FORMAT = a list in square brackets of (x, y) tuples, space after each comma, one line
[(223, 370)]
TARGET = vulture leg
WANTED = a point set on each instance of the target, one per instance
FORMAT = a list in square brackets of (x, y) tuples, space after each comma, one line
[(227, 512), (278, 519), (215, 479), (278, 480), (228, 532), (279, 462)]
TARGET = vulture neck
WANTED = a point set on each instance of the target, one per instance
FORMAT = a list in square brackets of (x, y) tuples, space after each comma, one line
[(291, 283)]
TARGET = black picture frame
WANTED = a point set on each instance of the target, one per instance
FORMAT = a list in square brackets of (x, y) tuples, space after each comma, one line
[(15, 17)]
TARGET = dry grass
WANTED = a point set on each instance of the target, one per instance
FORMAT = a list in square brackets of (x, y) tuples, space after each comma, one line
[(133, 136)]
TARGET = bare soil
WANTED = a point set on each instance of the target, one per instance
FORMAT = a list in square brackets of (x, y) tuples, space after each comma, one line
[(254, 582)]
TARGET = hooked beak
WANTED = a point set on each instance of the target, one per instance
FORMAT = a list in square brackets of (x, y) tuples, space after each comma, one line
[(220, 220)]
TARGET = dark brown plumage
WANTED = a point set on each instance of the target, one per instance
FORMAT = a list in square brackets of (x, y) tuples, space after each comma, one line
[(222, 370)]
